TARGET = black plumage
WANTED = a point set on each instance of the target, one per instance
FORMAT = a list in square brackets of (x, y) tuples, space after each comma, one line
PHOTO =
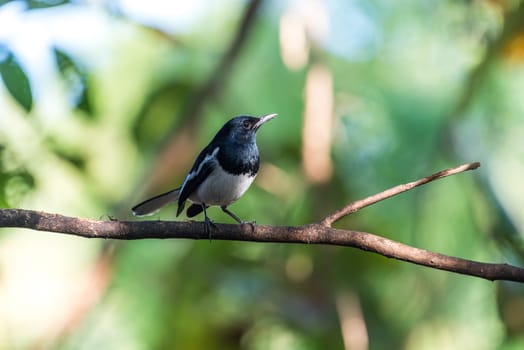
[(222, 172)]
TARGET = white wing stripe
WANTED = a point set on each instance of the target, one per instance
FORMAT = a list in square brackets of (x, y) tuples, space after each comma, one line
[(208, 158)]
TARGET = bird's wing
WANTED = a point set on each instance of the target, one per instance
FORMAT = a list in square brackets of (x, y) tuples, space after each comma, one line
[(205, 163)]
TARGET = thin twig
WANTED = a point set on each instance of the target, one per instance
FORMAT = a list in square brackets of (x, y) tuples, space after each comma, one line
[(308, 234), (218, 78), (361, 203)]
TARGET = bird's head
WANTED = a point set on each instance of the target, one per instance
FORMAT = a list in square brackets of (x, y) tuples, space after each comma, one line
[(243, 128)]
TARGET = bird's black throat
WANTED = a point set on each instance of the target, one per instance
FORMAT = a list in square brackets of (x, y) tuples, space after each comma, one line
[(239, 159)]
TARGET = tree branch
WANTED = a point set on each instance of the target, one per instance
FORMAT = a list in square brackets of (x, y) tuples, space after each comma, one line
[(309, 234), (317, 233), (362, 203), (219, 76)]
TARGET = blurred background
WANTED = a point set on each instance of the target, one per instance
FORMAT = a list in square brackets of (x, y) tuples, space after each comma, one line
[(104, 103)]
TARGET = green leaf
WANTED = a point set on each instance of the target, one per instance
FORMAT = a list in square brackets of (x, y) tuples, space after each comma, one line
[(15, 80), (63, 61), (75, 77), (3, 2), (39, 4), (14, 183)]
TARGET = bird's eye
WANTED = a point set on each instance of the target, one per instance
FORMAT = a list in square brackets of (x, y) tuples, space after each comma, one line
[(246, 124)]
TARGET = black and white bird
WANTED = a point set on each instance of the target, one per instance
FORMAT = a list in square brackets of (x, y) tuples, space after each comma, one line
[(221, 174)]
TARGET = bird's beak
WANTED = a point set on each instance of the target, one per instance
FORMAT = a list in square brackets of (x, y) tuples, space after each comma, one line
[(264, 119)]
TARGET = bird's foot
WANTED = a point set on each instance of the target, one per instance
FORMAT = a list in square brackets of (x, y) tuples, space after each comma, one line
[(208, 224)]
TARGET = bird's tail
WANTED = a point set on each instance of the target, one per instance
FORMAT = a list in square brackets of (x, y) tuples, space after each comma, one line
[(152, 205)]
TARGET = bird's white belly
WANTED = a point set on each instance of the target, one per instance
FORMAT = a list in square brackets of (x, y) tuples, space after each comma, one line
[(221, 188)]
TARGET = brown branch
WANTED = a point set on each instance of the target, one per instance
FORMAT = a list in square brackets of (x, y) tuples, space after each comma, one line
[(309, 234), (357, 205), (318, 233)]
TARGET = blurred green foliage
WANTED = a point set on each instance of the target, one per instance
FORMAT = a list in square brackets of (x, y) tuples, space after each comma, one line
[(417, 86), (15, 79), (76, 79)]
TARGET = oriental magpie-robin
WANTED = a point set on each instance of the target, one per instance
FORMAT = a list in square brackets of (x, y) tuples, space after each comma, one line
[(221, 174)]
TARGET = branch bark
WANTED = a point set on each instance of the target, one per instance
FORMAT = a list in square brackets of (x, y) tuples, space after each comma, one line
[(316, 233)]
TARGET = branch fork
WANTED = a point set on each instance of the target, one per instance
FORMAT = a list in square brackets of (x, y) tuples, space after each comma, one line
[(321, 232)]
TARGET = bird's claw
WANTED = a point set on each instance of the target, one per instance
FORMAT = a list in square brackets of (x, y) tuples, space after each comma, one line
[(208, 223)]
